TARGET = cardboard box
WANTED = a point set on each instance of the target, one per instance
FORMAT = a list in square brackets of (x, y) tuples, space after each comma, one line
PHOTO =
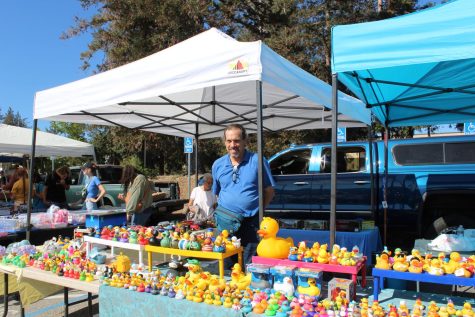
[(338, 285), (308, 280), (367, 224), (260, 276)]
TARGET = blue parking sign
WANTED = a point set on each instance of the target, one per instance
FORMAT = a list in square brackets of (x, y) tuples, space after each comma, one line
[(188, 144), (341, 135), (469, 128)]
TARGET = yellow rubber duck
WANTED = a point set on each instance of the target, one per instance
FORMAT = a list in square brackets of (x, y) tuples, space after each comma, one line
[(217, 300), (312, 288), (208, 299), (453, 264), (416, 254), (451, 308), (463, 270), (238, 278), (467, 310), (443, 312), (227, 302), (435, 267), (194, 271), (347, 259), (323, 256), (400, 263), (426, 262), (415, 266), (227, 241), (271, 246), (216, 284), (382, 261)]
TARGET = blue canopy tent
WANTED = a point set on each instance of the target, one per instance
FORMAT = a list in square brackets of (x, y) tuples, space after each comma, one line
[(416, 69)]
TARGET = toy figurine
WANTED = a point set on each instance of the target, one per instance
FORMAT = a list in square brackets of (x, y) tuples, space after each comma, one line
[(400, 263), (165, 243), (293, 254), (323, 256), (271, 246), (238, 278)]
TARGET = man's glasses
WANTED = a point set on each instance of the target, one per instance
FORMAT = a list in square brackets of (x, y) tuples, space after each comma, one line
[(235, 173)]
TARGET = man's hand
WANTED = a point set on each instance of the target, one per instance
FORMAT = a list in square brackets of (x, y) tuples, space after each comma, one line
[(120, 196)]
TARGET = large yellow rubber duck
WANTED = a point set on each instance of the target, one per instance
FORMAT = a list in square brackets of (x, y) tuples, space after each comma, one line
[(238, 278), (271, 246), (382, 262), (312, 288), (467, 309)]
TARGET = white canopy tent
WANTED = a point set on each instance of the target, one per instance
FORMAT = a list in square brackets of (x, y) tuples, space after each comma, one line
[(197, 87), (17, 141)]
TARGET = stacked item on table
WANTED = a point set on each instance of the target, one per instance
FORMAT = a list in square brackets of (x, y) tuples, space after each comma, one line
[(275, 247), (178, 237), (61, 257), (435, 265)]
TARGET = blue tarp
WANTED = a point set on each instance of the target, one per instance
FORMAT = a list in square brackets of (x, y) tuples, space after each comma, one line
[(416, 69)]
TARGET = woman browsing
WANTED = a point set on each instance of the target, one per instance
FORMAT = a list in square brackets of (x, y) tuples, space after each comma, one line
[(94, 189)]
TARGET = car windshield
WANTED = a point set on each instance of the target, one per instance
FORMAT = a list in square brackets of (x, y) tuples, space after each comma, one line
[(110, 174)]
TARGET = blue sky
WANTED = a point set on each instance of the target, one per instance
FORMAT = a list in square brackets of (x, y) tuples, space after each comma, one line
[(32, 55)]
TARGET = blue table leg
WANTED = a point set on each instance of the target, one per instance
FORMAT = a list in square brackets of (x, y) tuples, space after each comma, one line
[(375, 287), (381, 283)]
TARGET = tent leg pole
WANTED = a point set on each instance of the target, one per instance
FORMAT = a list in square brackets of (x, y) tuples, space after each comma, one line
[(334, 153), (32, 168), (259, 149), (385, 184), (196, 154)]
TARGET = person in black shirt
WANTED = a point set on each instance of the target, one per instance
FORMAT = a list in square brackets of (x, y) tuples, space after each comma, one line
[(56, 186)]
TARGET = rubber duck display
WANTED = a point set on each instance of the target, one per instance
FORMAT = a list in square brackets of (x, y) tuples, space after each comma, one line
[(311, 289), (453, 264), (382, 261), (415, 265), (347, 259), (467, 310), (435, 267), (271, 246), (286, 286), (238, 278), (293, 254), (400, 264), (219, 245), (323, 256)]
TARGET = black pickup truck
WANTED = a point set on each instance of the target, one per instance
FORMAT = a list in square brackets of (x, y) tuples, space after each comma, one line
[(166, 196)]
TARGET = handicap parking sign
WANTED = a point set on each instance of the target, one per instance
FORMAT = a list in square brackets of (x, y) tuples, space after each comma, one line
[(188, 145), (469, 128), (341, 135)]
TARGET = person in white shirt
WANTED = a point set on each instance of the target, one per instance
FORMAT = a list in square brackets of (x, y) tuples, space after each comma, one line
[(202, 201)]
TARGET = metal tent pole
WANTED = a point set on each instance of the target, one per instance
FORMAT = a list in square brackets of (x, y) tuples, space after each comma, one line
[(32, 168), (259, 149), (385, 184), (196, 153), (334, 153)]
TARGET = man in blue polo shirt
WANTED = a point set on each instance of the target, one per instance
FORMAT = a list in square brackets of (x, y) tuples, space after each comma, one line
[(235, 181)]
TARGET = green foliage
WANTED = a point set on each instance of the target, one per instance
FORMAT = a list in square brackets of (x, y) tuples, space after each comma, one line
[(74, 131), (12, 118)]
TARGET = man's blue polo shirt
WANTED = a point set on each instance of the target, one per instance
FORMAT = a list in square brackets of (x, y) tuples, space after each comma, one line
[(240, 195)]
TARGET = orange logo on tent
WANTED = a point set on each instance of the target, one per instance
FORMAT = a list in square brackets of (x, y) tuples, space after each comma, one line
[(238, 67)]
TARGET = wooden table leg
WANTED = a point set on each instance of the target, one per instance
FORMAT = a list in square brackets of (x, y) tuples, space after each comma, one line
[(354, 279), (5, 295), (363, 276), (221, 268), (150, 261)]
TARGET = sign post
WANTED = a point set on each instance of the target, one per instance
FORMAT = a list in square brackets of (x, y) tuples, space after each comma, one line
[(188, 149)]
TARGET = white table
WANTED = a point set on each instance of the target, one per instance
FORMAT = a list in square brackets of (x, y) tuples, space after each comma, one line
[(114, 244)]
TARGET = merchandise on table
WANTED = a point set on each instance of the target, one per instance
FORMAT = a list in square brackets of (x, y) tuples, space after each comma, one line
[(340, 289), (435, 265), (309, 282), (272, 246), (261, 277)]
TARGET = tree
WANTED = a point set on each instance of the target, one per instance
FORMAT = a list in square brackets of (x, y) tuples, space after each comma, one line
[(74, 131), (12, 118), (299, 30)]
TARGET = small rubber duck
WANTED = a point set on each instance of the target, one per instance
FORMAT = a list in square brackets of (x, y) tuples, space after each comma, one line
[(219, 245), (382, 261), (415, 265), (293, 254), (227, 303), (400, 264), (453, 264), (208, 298), (323, 256), (286, 286), (435, 267), (467, 310), (238, 278)]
